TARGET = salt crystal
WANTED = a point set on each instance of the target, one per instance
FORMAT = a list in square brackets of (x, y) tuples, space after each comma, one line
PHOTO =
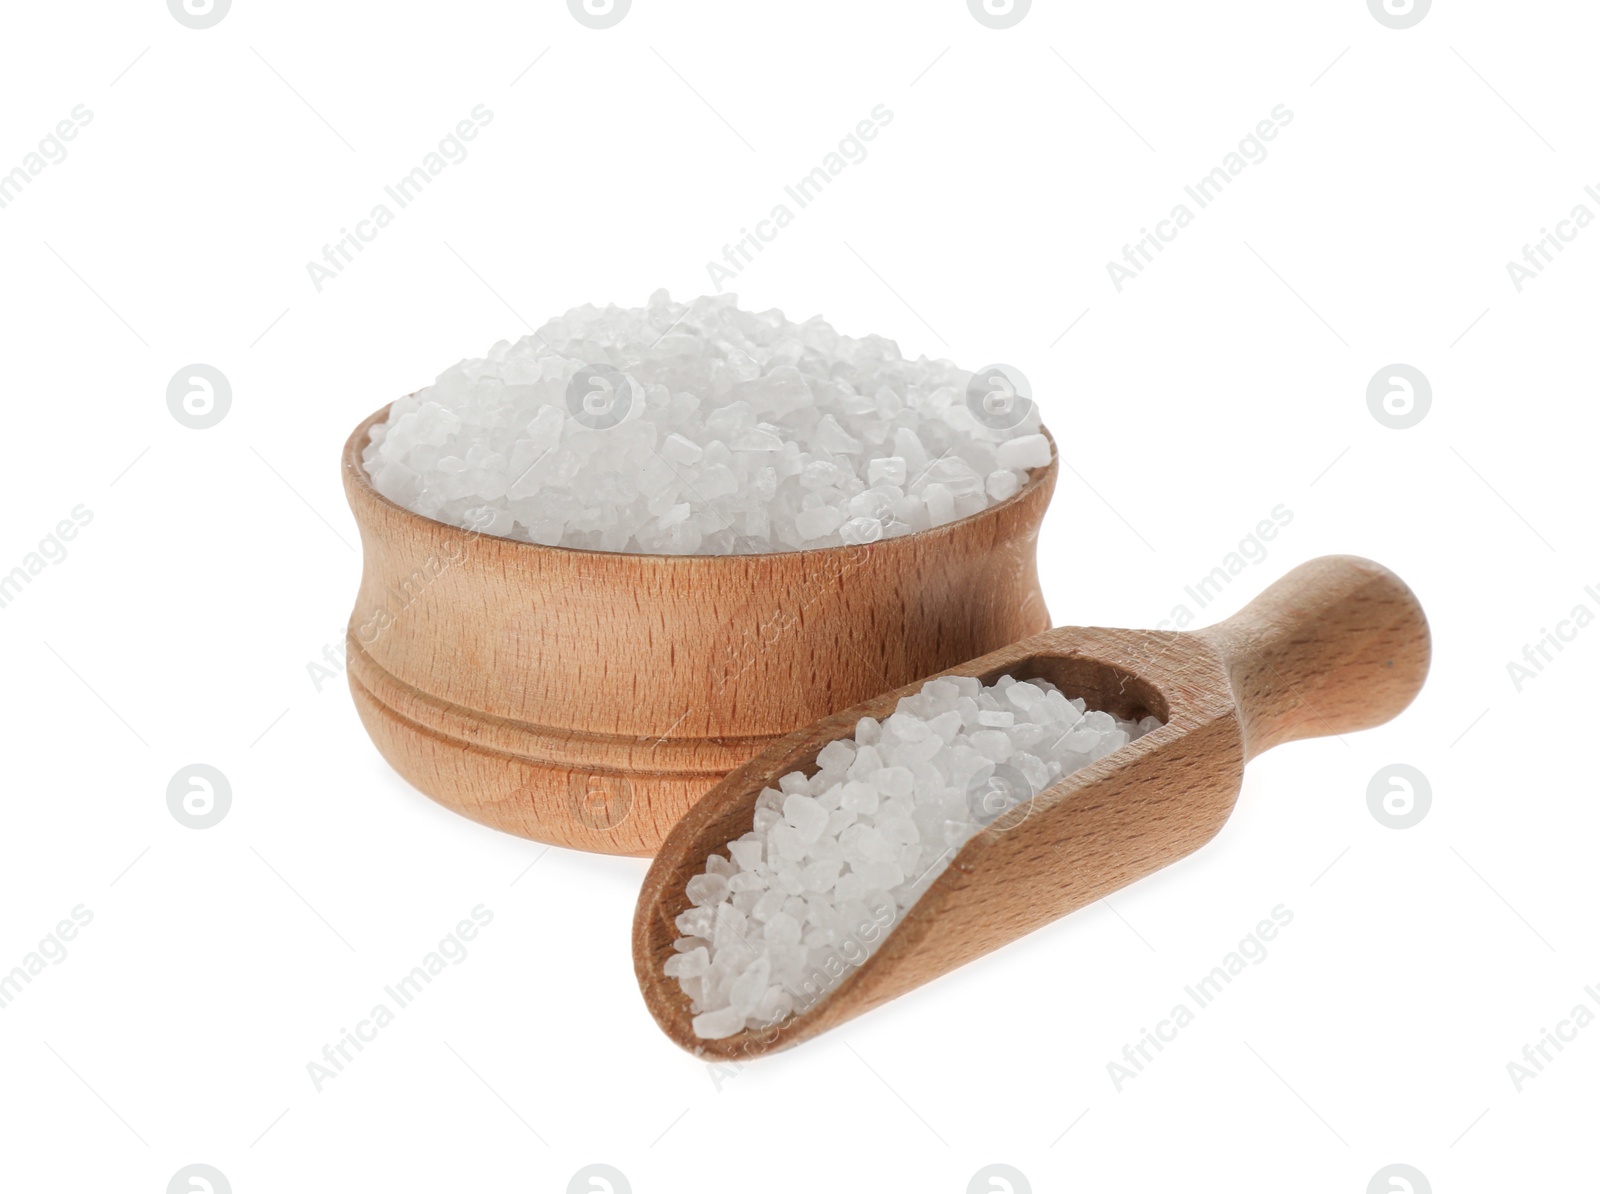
[(750, 986), (768, 906), (713, 1026), (859, 797), (544, 431), (886, 470), (806, 817), (678, 449), (992, 744), (817, 522), (707, 889), (1024, 696), (1078, 741), (1001, 484), (941, 504), (837, 754), (862, 530), (892, 781), (755, 439), (833, 438), (849, 887), (696, 922), (1025, 451), (820, 875), (786, 842), (688, 965), (909, 448), (774, 1007)]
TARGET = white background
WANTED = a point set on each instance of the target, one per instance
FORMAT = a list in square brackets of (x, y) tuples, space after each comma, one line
[(1228, 378)]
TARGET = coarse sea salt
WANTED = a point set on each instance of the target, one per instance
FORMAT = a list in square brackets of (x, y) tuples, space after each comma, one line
[(837, 856), (701, 428)]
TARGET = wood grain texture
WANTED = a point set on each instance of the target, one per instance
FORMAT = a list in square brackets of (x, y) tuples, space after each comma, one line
[(1339, 644), (589, 698)]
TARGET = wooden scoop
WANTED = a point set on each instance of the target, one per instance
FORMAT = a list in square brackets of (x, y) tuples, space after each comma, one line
[(1338, 644)]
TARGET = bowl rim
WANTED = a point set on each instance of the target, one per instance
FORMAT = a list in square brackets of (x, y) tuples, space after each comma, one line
[(355, 473)]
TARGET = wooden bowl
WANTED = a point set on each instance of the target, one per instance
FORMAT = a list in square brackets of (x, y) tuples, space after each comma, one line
[(589, 698)]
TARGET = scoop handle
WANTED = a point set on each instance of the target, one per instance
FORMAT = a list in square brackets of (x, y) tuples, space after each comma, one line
[(1338, 644)]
